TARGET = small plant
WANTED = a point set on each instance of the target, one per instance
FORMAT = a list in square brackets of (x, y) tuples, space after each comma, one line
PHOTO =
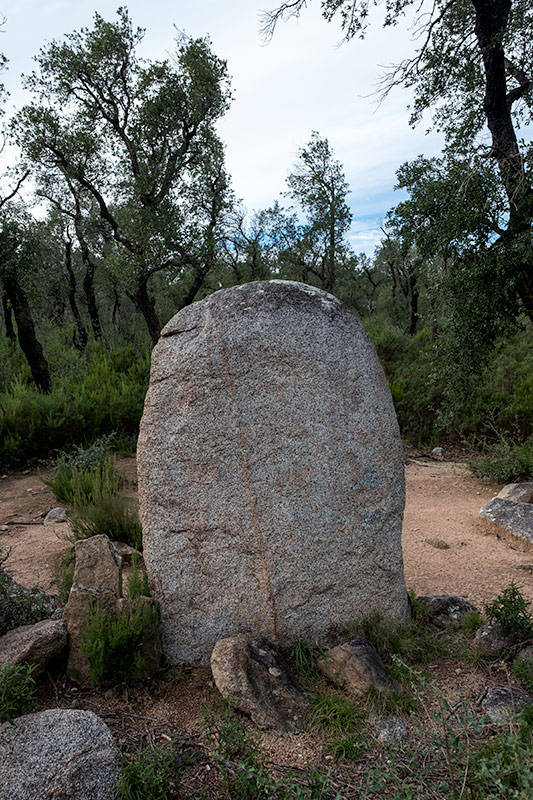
[(304, 656), (64, 574), (348, 748), (502, 768), (522, 668), (150, 776), (138, 585), (19, 606), (335, 714), (470, 624), (112, 515), (77, 486), (17, 691), (114, 644), (509, 611)]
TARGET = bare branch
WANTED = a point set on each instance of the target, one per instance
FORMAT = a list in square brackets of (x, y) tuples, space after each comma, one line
[(269, 19)]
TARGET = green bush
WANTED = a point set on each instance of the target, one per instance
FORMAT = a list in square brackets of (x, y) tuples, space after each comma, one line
[(104, 393), (149, 776), (505, 461), (17, 691), (522, 668), (502, 768), (114, 644), (81, 486), (19, 606), (112, 515), (64, 574), (509, 611)]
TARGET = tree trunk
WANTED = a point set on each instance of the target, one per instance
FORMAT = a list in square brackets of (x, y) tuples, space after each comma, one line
[(8, 317), (194, 288), (492, 17), (80, 335), (29, 344), (146, 305), (413, 295)]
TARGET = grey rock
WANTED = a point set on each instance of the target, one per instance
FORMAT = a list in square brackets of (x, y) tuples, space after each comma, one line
[(98, 582), (128, 553), (55, 516), (36, 644), (389, 730), (490, 641), (447, 609), (512, 520), (270, 466), (517, 492), (437, 453), (501, 703), (60, 754), (249, 673), (356, 666)]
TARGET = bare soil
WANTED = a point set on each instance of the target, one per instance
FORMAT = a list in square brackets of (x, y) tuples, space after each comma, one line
[(447, 549)]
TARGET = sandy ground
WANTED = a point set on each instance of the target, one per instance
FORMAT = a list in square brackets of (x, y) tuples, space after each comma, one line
[(447, 547)]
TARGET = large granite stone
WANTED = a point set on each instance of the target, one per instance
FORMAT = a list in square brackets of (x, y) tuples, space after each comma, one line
[(512, 521), (271, 473), (62, 754)]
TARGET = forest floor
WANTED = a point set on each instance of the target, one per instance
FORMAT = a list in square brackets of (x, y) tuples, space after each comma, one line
[(447, 549)]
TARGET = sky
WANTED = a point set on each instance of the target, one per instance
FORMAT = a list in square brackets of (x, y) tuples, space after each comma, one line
[(302, 81)]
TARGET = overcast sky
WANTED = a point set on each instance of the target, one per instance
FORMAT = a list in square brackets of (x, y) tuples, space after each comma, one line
[(301, 81)]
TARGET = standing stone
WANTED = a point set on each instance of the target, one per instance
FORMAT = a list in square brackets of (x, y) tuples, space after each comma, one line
[(271, 473)]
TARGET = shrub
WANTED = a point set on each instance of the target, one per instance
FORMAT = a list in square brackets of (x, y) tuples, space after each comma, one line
[(76, 486), (149, 776), (509, 611), (112, 515), (17, 691), (522, 668), (505, 461), (20, 606), (114, 644), (64, 575), (502, 768)]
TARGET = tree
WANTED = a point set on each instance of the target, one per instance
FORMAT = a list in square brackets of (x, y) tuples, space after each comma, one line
[(473, 67), (318, 184), (131, 138)]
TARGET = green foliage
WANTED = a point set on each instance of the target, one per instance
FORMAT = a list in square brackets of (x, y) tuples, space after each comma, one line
[(64, 574), (242, 769), (336, 714), (505, 461), (19, 606), (522, 668), (414, 643), (113, 644), (138, 585), (348, 748), (470, 623), (303, 654), (509, 611), (151, 775), (82, 406), (112, 515), (17, 691), (77, 485), (502, 769)]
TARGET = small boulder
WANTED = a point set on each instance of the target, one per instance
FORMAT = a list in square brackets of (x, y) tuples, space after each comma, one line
[(356, 666), (61, 753), (36, 644), (447, 609), (55, 516), (517, 492), (490, 641), (502, 703), (251, 674), (389, 730), (512, 520), (437, 453)]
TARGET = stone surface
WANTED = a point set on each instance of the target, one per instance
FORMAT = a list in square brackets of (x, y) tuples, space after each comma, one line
[(249, 673), (356, 666), (98, 582), (271, 475), (447, 609), (437, 453), (389, 730), (56, 515), (517, 492), (36, 644), (512, 520), (490, 641), (60, 754), (501, 703)]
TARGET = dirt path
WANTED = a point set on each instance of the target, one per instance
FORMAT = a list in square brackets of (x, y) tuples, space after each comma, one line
[(447, 547)]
